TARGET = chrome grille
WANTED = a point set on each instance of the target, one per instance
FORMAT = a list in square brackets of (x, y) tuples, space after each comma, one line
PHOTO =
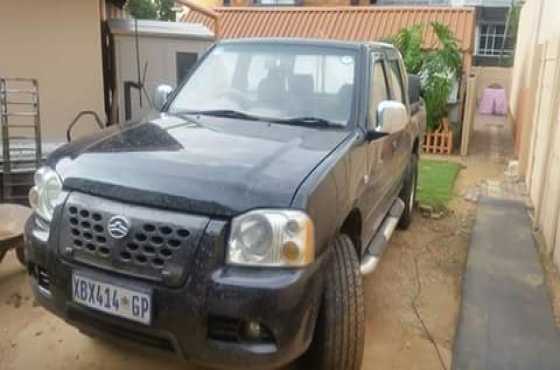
[(159, 245)]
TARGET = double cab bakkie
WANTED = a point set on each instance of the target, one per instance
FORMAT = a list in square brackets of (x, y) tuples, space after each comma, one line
[(234, 225)]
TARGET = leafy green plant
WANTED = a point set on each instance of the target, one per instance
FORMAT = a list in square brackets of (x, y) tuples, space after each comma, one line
[(409, 42), (151, 9), (439, 67), (141, 9), (511, 36), (439, 72), (435, 91), (448, 53), (165, 10)]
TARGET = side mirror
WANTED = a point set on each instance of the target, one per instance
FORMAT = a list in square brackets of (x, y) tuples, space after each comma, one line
[(391, 117), (161, 94)]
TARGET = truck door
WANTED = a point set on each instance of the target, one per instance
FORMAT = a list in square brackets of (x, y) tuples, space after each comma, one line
[(379, 179)]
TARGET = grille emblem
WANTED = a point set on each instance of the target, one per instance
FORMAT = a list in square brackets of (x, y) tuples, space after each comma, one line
[(118, 227)]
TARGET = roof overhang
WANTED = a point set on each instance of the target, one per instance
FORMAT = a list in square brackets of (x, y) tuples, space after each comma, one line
[(371, 23)]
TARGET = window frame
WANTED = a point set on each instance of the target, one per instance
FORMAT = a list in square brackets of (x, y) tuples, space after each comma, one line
[(399, 77), (375, 58), (490, 49)]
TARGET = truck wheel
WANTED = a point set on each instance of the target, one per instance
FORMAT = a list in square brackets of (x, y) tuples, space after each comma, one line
[(338, 342), (408, 193)]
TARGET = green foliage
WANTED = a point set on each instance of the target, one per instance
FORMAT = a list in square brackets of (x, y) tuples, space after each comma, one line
[(514, 16), (448, 54), (142, 9), (151, 9), (439, 72), (439, 68), (409, 42), (165, 10), (436, 89), (513, 21), (436, 180)]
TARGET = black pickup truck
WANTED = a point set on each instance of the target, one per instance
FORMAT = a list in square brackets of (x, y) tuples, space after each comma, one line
[(233, 227)]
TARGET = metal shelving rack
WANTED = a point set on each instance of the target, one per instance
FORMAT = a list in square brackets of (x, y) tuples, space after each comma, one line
[(21, 136)]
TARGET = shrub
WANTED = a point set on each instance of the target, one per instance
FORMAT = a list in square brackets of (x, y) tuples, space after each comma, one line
[(439, 68)]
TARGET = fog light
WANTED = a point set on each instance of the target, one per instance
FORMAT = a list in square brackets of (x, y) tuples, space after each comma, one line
[(253, 330)]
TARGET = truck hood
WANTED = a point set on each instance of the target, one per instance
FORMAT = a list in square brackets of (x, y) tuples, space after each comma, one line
[(206, 165)]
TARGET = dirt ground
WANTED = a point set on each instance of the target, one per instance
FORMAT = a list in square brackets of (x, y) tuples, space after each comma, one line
[(31, 338), (432, 253)]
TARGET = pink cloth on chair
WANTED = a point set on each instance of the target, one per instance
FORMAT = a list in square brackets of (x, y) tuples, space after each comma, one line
[(493, 101)]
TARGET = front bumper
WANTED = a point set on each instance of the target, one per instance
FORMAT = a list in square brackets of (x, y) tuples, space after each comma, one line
[(285, 302)]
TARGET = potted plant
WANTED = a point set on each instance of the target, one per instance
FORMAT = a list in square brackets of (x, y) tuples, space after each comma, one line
[(439, 69)]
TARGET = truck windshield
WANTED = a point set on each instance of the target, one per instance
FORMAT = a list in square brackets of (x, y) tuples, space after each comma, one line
[(289, 83)]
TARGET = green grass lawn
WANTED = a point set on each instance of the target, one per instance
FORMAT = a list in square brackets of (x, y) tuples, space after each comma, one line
[(436, 180)]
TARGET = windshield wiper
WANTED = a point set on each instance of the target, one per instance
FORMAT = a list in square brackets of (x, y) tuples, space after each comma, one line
[(310, 121), (229, 113), (301, 121)]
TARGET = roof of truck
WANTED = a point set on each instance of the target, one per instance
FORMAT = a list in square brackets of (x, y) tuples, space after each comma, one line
[(307, 41)]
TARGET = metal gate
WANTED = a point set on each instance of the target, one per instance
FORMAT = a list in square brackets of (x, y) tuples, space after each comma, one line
[(21, 136)]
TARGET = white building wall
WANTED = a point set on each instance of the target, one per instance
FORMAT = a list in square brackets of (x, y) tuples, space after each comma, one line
[(534, 106), (159, 43)]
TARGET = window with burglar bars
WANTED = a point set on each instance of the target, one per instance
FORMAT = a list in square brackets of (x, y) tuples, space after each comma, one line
[(491, 40)]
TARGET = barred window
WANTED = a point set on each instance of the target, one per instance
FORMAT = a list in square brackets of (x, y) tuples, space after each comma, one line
[(491, 40)]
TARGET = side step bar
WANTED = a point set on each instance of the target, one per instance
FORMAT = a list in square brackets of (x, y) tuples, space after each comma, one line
[(377, 246)]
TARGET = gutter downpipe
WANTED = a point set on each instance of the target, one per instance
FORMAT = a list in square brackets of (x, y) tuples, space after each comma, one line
[(207, 12)]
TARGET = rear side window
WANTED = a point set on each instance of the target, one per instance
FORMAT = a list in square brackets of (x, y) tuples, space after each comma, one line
[(330, 73), (394, 74), (378, 92)]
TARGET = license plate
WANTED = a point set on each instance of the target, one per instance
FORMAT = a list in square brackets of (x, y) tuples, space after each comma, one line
[(112, 299)]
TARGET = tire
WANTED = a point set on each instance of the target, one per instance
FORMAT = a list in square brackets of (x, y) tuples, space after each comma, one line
[(338, 342), (408, 193)]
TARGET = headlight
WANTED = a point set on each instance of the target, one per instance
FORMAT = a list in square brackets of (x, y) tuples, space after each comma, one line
[(44, 196), (277, 238)]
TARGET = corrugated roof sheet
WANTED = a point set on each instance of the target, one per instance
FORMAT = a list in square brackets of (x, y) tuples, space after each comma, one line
[(373, 23)]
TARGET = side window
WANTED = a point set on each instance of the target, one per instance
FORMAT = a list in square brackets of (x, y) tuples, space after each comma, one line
[(258, 70), (184, 62), (378, 91), (394, 74), (339, 69)]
